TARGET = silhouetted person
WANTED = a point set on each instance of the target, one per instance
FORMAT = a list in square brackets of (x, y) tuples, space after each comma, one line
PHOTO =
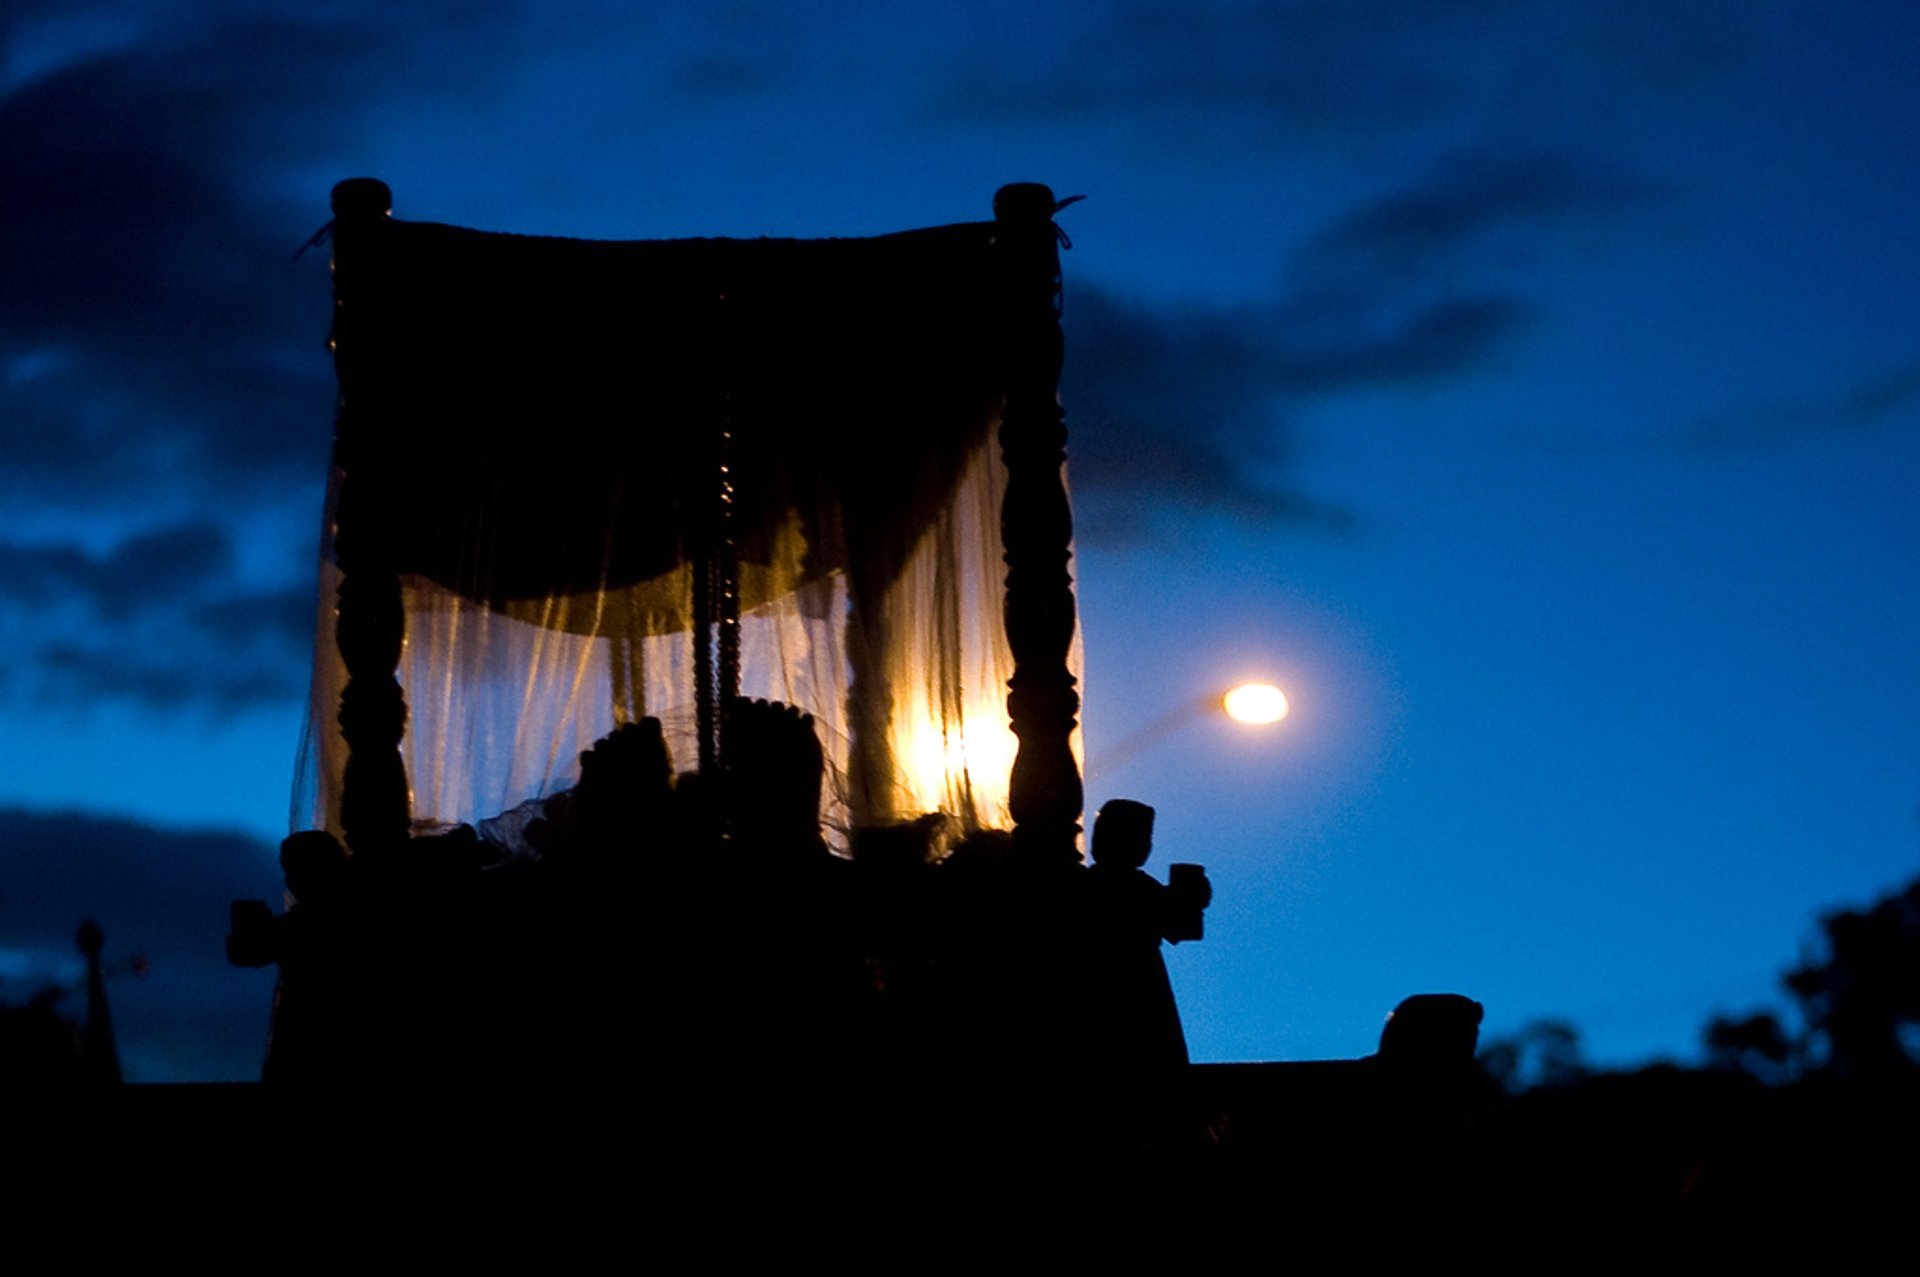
[(323, 1032), (799, 996), (100, 1056), (775, 772), (1432, 1036), (1425, 1139), (1137, 1051), (1129, 913), (894, 919), (617, 914), (625, 785), (975, 958)]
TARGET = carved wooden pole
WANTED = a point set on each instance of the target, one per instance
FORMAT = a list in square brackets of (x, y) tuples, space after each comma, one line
[(870, 761), (370, 623), (705, 719), (726, 548), (712, 547), (1036, 525)]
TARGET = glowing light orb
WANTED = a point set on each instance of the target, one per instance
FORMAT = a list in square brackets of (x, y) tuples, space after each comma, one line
[(943, 765), (1255, 703)]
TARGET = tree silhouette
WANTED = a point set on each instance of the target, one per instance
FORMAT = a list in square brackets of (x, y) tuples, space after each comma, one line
[(1543, 1053), (1858, 995), (1862, 1001), (1757, 1045)]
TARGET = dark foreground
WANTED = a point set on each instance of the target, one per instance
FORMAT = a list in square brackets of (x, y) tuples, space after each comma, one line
[(1253, 1159)]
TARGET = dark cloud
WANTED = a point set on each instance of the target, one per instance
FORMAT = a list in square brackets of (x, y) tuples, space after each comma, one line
[(1374, 72), (170, 676), (265, 617), (153, 330), (41, 576), (1866, 405), (1464, 200), (159, 346), (1429, 278), (1190, 411), (157, 892), (161, 621), (1452, 337), (130, 237), (151, 569), (1172, 412), (1315, 65), (1191, 408)]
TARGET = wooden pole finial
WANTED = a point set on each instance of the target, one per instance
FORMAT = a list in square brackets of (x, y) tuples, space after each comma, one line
[(1024, 202), (362, 197)]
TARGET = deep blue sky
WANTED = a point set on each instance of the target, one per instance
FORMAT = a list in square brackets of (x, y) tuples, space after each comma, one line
[(1532, 387)]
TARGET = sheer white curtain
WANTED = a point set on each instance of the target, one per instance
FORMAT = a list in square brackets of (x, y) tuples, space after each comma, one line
[(501, 702)]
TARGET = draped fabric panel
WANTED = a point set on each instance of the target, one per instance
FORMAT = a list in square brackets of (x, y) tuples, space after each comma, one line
[(535, 444)]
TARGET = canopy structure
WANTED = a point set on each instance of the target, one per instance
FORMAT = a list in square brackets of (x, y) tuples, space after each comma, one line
[(576, 483)]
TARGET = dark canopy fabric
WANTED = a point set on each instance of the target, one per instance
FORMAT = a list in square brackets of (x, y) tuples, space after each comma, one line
[(524, 417)]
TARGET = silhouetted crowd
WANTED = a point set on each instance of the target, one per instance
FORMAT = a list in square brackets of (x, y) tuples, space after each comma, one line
[(694, 939)]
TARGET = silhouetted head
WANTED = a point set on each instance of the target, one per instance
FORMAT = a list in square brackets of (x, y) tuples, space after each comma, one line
[(776, 770), (1123, 834), (313, 861), (1432, 1032), (625, 782)]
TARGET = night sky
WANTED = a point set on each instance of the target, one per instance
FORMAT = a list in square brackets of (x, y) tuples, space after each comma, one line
[(1531, 388)]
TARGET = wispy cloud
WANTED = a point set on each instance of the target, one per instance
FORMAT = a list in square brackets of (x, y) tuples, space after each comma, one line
[(161, 619), (1174, 415), (1870, 404), (1348, 71), (1314, 65), (1460, 203), (1192, 408), (1443, 262), (154, 568), (172, 674), (147, 289)]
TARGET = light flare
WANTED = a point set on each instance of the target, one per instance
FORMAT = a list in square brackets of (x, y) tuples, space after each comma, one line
[(943, 764), (1255, 703)]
